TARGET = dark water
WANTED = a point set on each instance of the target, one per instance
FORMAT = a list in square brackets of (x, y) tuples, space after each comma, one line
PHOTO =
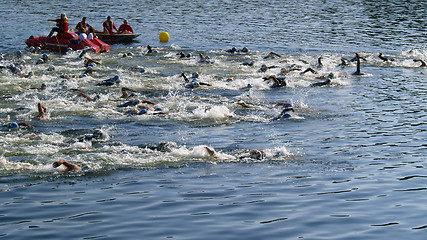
[(348, 164)]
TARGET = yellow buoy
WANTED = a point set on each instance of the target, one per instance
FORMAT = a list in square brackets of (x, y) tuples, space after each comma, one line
[(164, 37)]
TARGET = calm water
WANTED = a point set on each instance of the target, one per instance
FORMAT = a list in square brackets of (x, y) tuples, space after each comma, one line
[(348, 164)]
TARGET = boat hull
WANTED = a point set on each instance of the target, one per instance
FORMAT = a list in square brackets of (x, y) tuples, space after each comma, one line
[(62, 42), (117, 38)]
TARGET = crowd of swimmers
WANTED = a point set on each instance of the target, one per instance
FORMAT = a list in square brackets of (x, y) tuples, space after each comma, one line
[(142, 107)]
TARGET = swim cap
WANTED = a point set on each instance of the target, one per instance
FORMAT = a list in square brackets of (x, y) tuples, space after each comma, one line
[(91, 65), (44, 56), (14, 125), (249, 85), (117, 77), (245, 49), (142, 70), (19, 52), (39, 61), (51, 68), (89, 69), (158, 109), (143, 111), (30, 74), (195, 75)]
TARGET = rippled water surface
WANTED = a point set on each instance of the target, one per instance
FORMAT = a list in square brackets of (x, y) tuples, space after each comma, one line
[(348, 164)]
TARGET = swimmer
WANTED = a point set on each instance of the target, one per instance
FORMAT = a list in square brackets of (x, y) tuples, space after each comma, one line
[(194, 82), (289, 69), (423, 63), (110, 81), (125, 93), (264, 68), (326, 82), (42, 111), (137, 69), (319, 63), (257, 154), (277, 81), (308, 70), (385, 59), (41, 88), (150, 50), (89, 61), (344, 62), (234, 50), (357, 58), (182, 55), (43, 59), (272, 54), (250, 64), (69, 166), (96, 135), (284, 113), (87, 97), (243, 104), (16, 125), (204, 59), (130, 103)]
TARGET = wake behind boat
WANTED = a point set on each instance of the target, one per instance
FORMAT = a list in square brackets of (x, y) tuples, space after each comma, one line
[(116, 37)]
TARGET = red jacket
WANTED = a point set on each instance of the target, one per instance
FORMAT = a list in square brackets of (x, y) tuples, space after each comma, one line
[(125, 27), (63, 25)]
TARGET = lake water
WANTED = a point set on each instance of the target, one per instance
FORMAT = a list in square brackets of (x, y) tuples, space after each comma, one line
[(348, 164)]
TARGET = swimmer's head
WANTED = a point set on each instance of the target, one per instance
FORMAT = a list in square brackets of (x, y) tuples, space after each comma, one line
[(32, 49), (249, 85), (143, 111), (18, 53), (91, 65), (264, 68), (51, 68), (45, 56), (194, 75), (30, 74), (125, 21), (158, 109), (97, 133), (13, 125), (117, 77), (331, 75), (89, 69), (245, 49), (142, 70)]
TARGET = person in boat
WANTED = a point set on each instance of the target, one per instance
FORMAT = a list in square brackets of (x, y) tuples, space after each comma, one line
[(69, 166), (83, 26), (62, 25), (109, 26), (125, 28)]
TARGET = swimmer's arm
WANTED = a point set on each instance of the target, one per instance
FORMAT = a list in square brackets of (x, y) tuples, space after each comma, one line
[(69, 166), (24, 124)]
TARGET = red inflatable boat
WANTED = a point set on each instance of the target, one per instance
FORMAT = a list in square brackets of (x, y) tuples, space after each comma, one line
[(63, 41)]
